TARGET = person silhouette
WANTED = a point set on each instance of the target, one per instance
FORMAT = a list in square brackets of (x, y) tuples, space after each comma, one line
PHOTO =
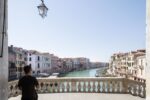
[(28, 84)]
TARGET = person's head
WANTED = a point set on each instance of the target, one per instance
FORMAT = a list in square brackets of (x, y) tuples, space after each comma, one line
[(27, 69)]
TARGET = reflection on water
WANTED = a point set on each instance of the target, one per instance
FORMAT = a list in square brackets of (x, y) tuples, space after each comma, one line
[(84, 73)]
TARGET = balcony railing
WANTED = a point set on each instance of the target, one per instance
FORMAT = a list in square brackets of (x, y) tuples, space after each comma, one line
[(86, 85)]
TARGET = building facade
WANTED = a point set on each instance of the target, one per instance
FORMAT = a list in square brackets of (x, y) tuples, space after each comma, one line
[(40, 62), (12, 69), (130, 63), (141, 65), (17, 58), (55, 68)]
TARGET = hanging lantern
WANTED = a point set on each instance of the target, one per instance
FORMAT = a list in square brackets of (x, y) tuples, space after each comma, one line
[(42, 9)]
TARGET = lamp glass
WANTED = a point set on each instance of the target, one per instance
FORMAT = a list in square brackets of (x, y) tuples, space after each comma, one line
[(42, 10)]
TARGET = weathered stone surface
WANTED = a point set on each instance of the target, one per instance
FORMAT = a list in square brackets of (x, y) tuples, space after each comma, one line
[(83, 96), (4, 59), (148, 49)]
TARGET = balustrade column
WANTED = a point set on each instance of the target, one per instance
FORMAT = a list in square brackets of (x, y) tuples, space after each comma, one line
[(94, 86), (98, 87), (113, 86), (125, 85), (68, 87), (58, 87), (79, 87), (89, 86), (84, 86), (103, 87), (63, 87), (144, 91), (118, 84), (73, 86)]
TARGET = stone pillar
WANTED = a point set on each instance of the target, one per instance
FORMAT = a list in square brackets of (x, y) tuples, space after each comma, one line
[(148, 49), (4, 58)]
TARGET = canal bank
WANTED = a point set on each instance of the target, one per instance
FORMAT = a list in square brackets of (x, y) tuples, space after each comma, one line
[(85, 73)]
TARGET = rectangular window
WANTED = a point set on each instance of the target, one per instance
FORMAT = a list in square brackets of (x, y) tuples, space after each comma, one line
[(25, 59), (30, 59), (141, 62), (38, 65), (38, 58)]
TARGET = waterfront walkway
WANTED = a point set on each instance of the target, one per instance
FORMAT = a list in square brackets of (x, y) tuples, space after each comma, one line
[(83, 96)]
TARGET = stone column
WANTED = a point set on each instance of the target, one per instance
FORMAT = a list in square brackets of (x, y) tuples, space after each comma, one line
[(4, 58), (147, 49)]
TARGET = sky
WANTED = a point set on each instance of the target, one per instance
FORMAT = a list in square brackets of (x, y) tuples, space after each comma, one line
[(78, 28)]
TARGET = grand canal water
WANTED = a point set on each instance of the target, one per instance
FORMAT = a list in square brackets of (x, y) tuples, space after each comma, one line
[(84, 73)]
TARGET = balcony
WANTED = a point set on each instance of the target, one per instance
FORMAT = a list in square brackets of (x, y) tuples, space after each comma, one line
[(85, 88)]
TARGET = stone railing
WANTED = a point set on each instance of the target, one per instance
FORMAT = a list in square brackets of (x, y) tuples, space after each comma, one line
[(86, 85), (13, 89), (137, 79)]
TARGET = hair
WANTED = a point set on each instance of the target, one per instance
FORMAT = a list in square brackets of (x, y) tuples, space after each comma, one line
[(27, 69)]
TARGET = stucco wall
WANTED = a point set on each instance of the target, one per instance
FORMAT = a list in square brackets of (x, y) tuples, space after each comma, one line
[(4, 59), (148, 49)]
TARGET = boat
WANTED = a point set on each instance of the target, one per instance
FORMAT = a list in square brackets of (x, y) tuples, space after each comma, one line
[(54, 75), (96, 75), (43, 75)]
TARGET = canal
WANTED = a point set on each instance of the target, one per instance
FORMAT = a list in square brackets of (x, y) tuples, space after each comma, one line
[(84, 73)]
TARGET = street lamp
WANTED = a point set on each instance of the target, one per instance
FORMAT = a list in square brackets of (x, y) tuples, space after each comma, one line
[(42, 9)]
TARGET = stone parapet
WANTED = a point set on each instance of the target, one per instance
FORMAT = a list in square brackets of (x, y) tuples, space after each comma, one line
[(86, 85)]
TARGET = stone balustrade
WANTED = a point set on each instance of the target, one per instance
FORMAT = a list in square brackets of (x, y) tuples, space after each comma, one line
[(86, 85), (138, 79), (13, 89)]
